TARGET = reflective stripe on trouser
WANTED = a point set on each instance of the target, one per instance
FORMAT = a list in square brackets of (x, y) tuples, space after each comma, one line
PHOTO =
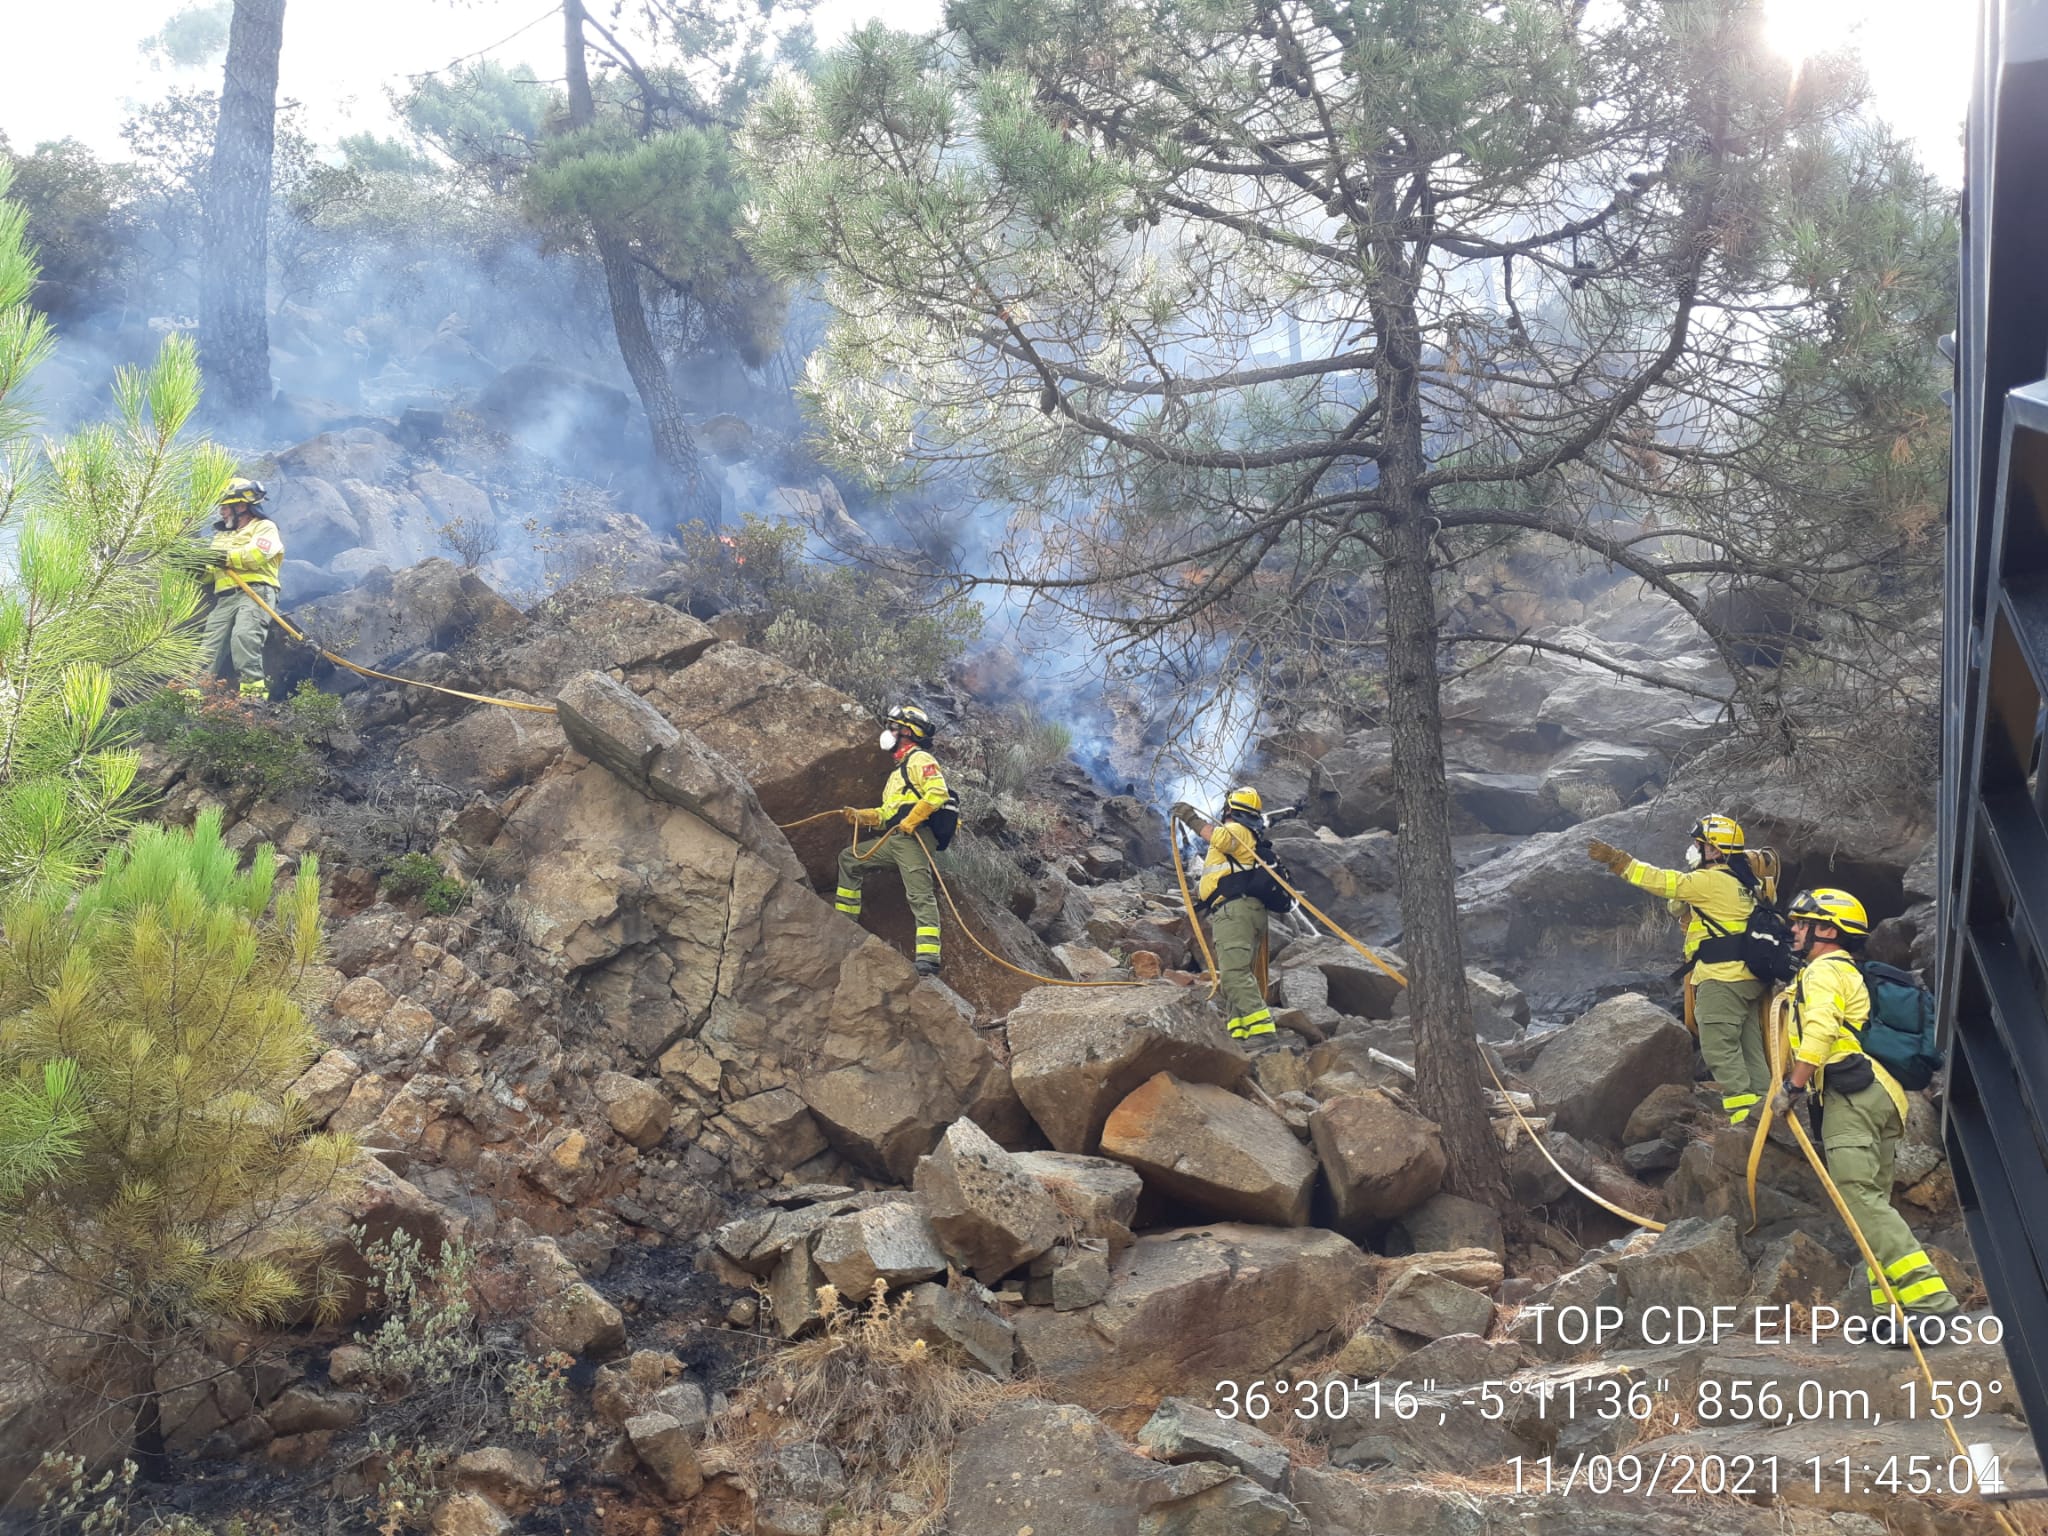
[(905, 855), (1259, 1022), (1861, 1131), (1731, 1039), (1240, 927), (235, 632), (1913, 1276)]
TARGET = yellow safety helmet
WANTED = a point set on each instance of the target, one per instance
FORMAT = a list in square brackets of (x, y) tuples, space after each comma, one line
[(1828, 905), (243, 493), (912, 722), (1722, 832), (1245, 798)]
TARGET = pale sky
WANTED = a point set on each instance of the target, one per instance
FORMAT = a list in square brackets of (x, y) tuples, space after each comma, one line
[(75, 69)]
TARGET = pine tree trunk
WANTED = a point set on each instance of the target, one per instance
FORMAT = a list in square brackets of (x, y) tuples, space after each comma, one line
[(1447, 1069), (234, 330), (684, 492)]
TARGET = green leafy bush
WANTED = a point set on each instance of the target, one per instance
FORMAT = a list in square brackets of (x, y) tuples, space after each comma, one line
[(420, 877)]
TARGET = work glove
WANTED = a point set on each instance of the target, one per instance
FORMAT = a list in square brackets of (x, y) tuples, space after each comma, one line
[(861, 816), (1608, 854), (1787, 1095), (916, 816)]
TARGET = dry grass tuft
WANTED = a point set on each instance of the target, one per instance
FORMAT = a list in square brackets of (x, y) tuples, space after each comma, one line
[(1670, 1414), (889, 1406)]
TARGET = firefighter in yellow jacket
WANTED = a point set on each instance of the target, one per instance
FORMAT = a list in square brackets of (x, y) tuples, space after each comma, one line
[(913, 792), (1240, 923), (1862, 1107), (1713, 890), (248, 544)]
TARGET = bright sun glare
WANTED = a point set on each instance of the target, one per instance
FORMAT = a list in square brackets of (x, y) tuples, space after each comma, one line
[(1798, 29)]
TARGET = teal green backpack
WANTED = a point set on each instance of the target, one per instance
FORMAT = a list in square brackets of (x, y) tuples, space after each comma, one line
[(1900, 1032)]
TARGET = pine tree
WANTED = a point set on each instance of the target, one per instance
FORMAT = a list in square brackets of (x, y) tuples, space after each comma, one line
[(95, 597), (161, 998), (233, 310), (1243, 308)]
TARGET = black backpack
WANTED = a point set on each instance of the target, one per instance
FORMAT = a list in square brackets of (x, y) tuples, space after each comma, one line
[(1899, 1035), (1764, 946), (1257, 881), (943, 822)]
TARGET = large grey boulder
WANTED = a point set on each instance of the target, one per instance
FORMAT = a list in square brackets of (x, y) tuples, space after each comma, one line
[(1445, 1222), (988, 1215), (434, 605), (1517, 803), (961, 1324), (1426, 1303), (1351, 789), (1180, 1431), (1352, 879), (1098, 1195), (629, 634), (1692, 1263), (1188, 1308), (1594, 1072), (1221, 1154), (1353, 984), (314, 521), (1075, 1055), (1057, 1470), (1546, 914), (891, 1243), (1381, 1161), (1597, 778)]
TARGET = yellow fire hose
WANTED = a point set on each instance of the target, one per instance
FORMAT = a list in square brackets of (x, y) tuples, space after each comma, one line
[(361, 671), (1777, 1040)]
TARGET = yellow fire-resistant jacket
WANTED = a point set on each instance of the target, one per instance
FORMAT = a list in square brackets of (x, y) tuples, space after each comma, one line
[(1830, 1006), (1714, 891), (913, 783), (256, 552), (1232, 850)]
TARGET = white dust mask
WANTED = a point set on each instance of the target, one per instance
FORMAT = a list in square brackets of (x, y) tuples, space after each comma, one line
[(1692, 856), (888, 741)]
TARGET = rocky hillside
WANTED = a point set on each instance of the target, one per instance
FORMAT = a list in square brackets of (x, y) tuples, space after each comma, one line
[(760, 1231)]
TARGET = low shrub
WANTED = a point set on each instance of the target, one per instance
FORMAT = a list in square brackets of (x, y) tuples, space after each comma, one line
[(420, 877), (228, 744)]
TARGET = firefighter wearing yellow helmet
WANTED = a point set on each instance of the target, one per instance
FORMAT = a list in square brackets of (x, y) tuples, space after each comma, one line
[(248, 544), (1862, 1106), (1240, 921), (1717, 891), (912, 794)]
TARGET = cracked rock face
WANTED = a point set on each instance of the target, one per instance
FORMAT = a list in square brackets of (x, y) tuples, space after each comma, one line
[(677, 931)]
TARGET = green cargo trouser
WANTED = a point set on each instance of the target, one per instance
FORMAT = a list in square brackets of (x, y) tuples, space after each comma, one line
[(235, 632), (1732, 1040), (905, 855), (1861, 1133), (1240, 928)]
